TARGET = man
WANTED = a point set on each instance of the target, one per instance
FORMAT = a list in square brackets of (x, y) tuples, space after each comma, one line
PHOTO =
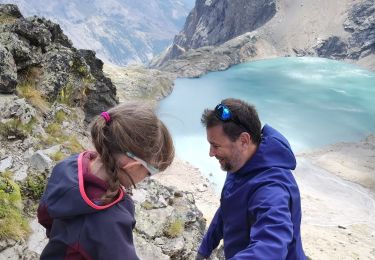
[(260, 207)]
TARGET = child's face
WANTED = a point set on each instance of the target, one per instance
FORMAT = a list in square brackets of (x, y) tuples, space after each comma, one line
[(132, 170)]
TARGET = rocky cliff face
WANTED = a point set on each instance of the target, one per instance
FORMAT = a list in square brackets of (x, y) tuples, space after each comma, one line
[(360, 24), (35, 52), (342, 30), (213, 22)]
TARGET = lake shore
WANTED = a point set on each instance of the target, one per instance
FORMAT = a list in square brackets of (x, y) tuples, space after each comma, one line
[(337, 193)]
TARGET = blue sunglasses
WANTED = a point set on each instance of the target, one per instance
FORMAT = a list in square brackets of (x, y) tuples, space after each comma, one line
[(223, 113)]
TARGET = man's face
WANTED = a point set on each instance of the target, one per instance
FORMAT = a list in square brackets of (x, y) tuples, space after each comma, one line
[(228, 153)]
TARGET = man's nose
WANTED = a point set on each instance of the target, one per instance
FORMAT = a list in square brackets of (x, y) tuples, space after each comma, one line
[(212, 152)]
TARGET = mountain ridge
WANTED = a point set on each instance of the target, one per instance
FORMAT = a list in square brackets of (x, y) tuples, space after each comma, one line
[(121, 32)]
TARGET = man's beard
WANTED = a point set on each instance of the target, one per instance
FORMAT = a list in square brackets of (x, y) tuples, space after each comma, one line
[(230, 164)]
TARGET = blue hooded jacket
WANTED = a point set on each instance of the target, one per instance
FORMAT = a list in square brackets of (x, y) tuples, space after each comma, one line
[(260, 207), (77, 226)]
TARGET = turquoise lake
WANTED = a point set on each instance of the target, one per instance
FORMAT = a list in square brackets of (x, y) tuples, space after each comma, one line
[(312, 101)]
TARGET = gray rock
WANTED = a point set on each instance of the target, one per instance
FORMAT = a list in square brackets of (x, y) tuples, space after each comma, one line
[(40, 161), (215, 22), (21, 173), (196, 62), (52, 150), (212, 23), (10, 11), (361, 42), (18, 108), (148, 251), (333, 47), (151, 223), (174, 246), (45, 59), (34, 31), (18, 251), (6, 163), (37, 240), (102, 95), (23, 53), (8, 71), (136, 82)]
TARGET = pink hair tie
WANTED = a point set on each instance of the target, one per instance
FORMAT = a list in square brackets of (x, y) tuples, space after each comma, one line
[(106, 117)]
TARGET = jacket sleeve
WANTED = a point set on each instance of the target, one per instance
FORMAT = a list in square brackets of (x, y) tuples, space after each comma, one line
[(213, 235), (272, 228), (44, 218)]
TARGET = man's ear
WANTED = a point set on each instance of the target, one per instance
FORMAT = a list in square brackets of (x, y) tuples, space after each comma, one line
[(245, 139)]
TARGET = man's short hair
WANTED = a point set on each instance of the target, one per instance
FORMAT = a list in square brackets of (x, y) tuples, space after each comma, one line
[(245, 119)]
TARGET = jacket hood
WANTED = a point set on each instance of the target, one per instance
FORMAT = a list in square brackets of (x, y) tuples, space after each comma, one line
[(65, 195), (273, 151)]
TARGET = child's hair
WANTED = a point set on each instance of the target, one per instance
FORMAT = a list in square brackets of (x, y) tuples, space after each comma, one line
[(132, 127)]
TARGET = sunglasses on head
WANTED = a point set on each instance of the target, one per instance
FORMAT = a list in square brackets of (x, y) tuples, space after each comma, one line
[(223, 113), (151, 169)]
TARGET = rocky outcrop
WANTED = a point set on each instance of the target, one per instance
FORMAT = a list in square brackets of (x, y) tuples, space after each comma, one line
[(137, 82), (35, 52), (168, 220), (361, 42), (197, 62), (213, 22), (8, 77)]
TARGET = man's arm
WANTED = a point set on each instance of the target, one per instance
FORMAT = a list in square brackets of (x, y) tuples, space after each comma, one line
[(213, 235), (272, 230)]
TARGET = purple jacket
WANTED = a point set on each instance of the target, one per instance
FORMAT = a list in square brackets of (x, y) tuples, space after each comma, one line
[(260, 208), (77, 226)]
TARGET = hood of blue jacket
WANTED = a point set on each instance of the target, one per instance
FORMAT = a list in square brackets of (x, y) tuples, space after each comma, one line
[(62, 195), (273, 151)]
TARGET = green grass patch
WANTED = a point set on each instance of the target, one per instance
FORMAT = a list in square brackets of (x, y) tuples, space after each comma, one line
[(58, 156), (147, 205), (12, 223), (80, 68), (28, 90), (54, 129), (65, 95), (6, 19), (73, 145), (175, 228), (33, 186), (60, 116), (14, 128)]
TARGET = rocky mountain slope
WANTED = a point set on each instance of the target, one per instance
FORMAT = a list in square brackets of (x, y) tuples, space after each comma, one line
[(343, 30), (37, 56), (119, 31), (49, 91)]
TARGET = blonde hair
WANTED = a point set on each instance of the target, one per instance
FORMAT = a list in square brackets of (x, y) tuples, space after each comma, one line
[(133, 127)]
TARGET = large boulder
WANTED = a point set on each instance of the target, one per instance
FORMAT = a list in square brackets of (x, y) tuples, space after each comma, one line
[(38, 54), (8, 71), (168, 219), (10, 11)]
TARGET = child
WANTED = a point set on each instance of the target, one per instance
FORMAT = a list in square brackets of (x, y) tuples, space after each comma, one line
[(85, 210)]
